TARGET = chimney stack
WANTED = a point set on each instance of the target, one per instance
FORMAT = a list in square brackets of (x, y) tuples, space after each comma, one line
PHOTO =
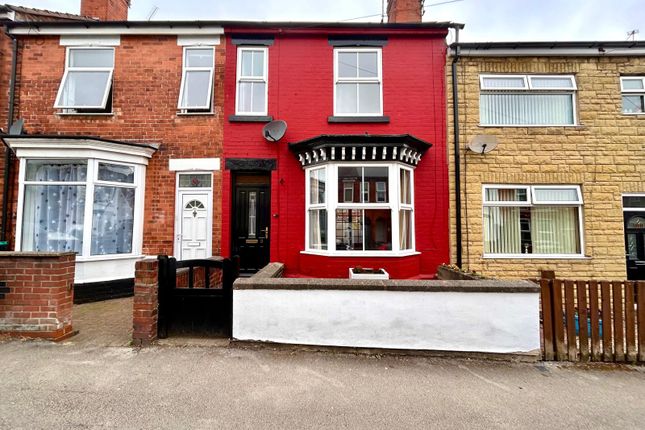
[(404, 11), (106, 10)]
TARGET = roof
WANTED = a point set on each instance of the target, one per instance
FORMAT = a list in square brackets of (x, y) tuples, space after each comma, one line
[(250, 24), (370, 148), (42, 14), (554, 48)]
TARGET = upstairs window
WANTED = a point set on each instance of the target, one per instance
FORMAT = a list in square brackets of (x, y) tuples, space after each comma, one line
[(87, 83), (252, 81), (358, 89), (196, 91), (527, 100), (632, 89)]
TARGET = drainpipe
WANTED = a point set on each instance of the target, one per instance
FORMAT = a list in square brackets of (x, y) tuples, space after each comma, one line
[(455, 115), (7, 152)]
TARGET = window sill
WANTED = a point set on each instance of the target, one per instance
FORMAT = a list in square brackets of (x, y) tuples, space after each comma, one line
[(535, 257), (358, 119), (106, 257), (356, 254), (633, 114), (195, 113), (84, 114), (580, 126), (250, 118)]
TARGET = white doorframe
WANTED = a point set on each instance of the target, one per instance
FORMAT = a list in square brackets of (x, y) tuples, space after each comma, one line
[(179, 207)]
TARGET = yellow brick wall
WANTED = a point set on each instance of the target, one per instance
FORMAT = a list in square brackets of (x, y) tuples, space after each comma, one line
[(605, 154)]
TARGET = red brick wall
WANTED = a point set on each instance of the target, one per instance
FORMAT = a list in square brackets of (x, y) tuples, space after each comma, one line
[(301, 93), (106, 10), (145, 312), (41, 295), (399, 11), (146, 84)]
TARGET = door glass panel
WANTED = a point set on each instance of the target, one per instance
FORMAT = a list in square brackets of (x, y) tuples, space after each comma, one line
[(195, 181), (632, 246), (636, 222), (252, 214)]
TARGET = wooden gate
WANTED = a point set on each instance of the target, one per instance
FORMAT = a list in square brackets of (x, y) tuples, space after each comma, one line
[(208, 279), (593, 320)]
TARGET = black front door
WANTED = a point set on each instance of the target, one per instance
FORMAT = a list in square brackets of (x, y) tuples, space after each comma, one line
[(251, 224), (635, 245)]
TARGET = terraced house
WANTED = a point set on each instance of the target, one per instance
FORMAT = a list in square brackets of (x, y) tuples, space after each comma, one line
[(550, 152), (146, 138)]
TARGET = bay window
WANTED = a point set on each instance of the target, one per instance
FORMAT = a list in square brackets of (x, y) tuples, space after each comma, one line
[(527, 100), (532, 221), (360, 209), (86, 206)]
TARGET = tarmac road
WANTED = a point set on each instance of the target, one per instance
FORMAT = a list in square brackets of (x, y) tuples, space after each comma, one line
[(45, 385)]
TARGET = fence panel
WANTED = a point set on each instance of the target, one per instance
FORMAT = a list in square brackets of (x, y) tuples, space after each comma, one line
[(591, 320)]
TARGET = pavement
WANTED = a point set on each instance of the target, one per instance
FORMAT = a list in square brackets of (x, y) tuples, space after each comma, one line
[(94, 383)]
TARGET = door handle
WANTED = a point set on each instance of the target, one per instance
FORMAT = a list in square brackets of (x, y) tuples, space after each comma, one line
[(266, 232)]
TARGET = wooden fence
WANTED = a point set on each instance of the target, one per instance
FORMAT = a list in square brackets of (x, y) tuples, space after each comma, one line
[(593, 320)]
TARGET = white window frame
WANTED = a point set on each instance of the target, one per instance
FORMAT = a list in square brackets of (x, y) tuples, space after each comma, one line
[(186, 69), (632, 92), (258, 79), (68, 69), (377, 191), (530, 89), (359, 80), (532, 203), (90, 183), (332, 204)]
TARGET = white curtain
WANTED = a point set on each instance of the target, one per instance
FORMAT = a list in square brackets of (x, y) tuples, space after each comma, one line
[(112, 220), (318, 229), (53, 215), (502, 230), (526, 109), (405, 230), (554, 230)]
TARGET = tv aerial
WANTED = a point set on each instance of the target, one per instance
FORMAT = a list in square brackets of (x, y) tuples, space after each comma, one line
[(274, 130), (483, 143)]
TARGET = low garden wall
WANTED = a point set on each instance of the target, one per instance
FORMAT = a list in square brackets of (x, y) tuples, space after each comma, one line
[(468, 316), (38, 293)]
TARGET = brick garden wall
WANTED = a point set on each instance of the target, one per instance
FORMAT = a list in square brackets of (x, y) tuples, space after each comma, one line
[(40, 297), (604, 154), (147, 77)]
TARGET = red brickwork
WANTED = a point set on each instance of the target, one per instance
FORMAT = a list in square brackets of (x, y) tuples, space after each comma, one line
[(146, 302), (39, 303), (147, 77), (399, 11), (106, 10)]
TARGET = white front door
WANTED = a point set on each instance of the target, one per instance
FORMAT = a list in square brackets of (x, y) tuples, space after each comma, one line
[(194, 226)]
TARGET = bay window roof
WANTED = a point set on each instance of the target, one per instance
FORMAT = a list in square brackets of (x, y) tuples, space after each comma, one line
[(381, 148)]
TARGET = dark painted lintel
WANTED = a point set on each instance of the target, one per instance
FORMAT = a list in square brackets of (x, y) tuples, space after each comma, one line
[(251, 40), (264, 164)]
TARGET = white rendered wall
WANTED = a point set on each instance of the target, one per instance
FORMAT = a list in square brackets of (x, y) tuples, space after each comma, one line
[(446, 321)]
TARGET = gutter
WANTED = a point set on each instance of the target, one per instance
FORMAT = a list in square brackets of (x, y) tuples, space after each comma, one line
[(455, 115), (7, 153)]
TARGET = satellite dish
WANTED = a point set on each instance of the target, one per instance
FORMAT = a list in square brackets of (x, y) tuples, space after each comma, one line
[(16, 127), (483, 143), (274, 130)]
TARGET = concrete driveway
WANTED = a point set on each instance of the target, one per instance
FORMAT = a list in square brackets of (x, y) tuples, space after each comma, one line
[(69, 385)]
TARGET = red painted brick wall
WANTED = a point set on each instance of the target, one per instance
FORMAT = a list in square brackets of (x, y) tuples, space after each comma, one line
[(147, 77), (301, 93), (41, 295)]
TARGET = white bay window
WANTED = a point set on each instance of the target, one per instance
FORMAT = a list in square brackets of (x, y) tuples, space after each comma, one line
[(532, 221), (360, 209)]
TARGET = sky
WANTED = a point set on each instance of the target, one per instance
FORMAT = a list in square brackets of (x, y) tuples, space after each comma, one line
[(486, 20)]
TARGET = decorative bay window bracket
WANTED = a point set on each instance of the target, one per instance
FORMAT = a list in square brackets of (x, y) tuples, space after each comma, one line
[(402, 148)]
